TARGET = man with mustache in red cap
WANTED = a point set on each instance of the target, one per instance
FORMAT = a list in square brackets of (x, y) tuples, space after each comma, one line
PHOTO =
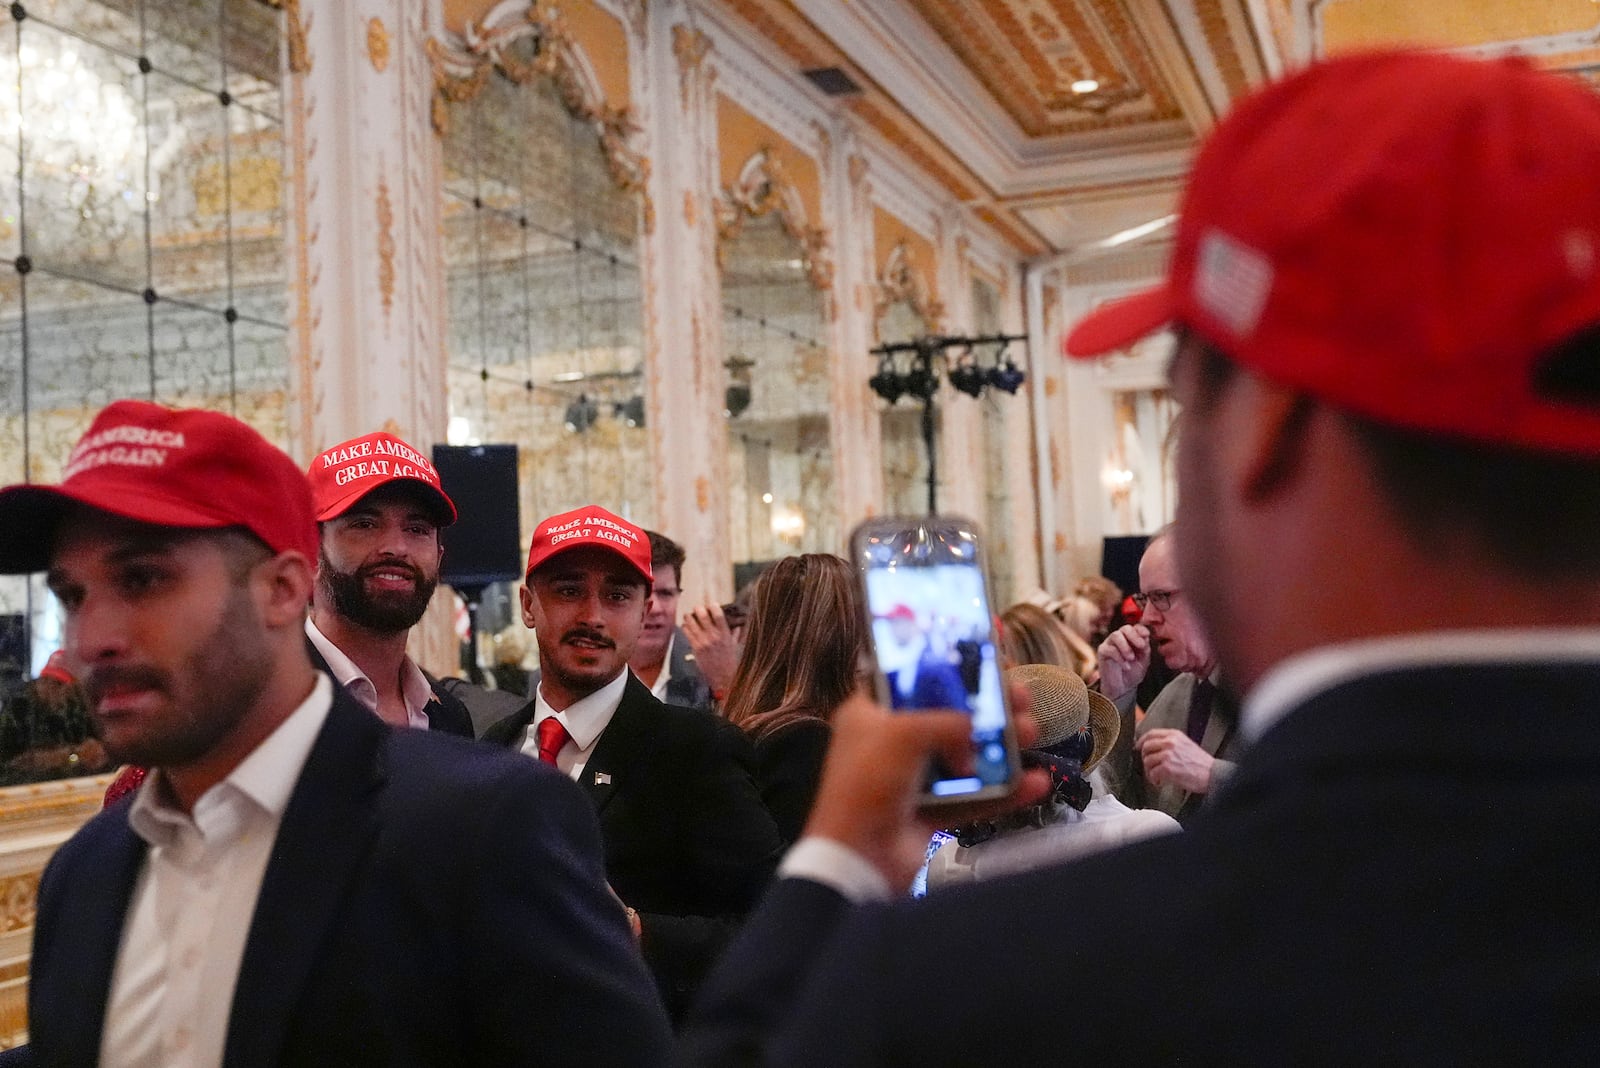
[(689, 844), (380, 508)]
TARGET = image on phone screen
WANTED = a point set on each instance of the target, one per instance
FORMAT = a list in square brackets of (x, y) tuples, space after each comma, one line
[(933, 639)]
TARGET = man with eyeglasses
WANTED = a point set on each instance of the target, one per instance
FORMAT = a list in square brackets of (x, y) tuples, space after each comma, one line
[(1185, 746)]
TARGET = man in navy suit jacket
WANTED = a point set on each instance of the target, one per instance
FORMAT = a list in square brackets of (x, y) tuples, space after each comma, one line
[(294, 883), (1389, 513)]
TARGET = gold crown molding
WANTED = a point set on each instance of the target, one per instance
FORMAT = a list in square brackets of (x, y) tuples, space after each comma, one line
[(763, 189), (900, 280), (1214, 24), (461, 70), (377, 44)]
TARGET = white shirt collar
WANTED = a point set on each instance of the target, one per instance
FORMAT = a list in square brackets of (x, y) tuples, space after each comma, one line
[(665, 676), (267, 776), (414, 688), (1294, 681), (587, 717)]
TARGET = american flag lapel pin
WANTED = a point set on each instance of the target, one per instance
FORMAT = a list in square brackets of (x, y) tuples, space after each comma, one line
[(602, 778)]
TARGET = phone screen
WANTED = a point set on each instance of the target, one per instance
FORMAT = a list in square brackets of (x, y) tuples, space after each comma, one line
[(933, 637)]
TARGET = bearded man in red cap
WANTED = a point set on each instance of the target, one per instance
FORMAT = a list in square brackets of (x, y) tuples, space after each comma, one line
[(294, 882), (689, 844), (380, 508), (1386, 289)]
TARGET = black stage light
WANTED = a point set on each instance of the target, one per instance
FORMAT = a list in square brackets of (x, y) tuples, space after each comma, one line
[(736, 399), (968, 378), (1008, 377), (581, 414), (887, 384)]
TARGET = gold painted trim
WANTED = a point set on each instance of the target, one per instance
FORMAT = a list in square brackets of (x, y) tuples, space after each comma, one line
[(295, 31), (386, 246), (764, 188), (378, 44)]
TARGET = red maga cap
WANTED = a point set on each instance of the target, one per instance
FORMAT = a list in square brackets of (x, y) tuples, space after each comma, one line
[(172, 467), (1408, 236), (591, 526), (344, 474), (56, 668)]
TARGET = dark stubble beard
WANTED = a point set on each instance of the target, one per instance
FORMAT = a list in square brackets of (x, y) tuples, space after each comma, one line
[(388, 613), (224, 680)]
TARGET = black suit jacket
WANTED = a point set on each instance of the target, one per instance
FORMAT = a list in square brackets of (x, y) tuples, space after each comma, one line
[(1403, 871), (398, 923), (687, 839), (446, 712)]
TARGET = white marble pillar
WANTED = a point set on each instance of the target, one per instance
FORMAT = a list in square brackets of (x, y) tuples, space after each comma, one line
[(683, 318), (855, 426)]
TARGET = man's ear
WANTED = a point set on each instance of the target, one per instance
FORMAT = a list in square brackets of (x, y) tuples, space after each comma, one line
[(526, 594), (285, 582), (1271, 436)]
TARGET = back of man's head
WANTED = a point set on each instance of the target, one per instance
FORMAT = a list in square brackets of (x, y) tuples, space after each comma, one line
[(1382, 319)]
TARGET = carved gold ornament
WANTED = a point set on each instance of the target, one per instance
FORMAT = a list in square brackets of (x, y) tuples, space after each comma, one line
[(462, 69), (763, 189), (294, 28), (899, 280)]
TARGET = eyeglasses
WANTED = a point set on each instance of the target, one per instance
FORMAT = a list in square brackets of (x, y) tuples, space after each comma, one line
[(1162, 599)]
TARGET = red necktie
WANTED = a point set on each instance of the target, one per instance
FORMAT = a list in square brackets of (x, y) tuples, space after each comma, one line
[(552, 736)]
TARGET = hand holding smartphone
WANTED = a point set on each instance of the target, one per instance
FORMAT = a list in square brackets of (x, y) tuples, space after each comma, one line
[(933, 641)]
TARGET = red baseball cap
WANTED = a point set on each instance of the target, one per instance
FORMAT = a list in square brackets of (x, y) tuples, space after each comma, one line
[(173, 467), (1408, 236), (591, 525), (344, 474)]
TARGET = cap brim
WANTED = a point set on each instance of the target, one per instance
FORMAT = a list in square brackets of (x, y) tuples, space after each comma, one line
[(335, 508), (1119, 323), (29, 516)]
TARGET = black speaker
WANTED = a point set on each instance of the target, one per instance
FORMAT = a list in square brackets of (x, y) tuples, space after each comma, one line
[(1119, 559), (484, 544)]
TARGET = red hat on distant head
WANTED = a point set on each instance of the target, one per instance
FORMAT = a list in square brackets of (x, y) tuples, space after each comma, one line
[(900, 611), (172, 467), (1408, 236), (56, 668), (591, 526), (344, 474)]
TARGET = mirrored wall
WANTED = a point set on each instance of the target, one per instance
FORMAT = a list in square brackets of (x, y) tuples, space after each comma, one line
[(545, 333), (780, 460), (141, 240)]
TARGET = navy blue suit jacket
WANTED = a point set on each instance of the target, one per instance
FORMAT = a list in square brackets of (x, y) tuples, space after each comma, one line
[(1403, 871), (428, 902)]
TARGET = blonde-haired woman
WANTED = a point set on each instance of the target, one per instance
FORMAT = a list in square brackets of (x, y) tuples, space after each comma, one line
[(803, 646)]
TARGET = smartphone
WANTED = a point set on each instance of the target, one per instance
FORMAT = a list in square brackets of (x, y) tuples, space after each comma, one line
[(735, 613), (933, 641)]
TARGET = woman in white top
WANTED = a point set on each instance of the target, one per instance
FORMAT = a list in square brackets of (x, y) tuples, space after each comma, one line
[(1077, 728)]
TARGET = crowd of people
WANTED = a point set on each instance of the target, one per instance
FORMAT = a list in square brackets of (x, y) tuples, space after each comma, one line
[(1321, 790)]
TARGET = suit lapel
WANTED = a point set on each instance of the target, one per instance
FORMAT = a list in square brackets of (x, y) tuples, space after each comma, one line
[(620, 745), (322, 840)]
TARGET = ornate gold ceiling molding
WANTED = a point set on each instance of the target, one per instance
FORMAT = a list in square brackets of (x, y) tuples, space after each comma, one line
[(1224, 49), (900, 280), (462, 68), (763, 189)]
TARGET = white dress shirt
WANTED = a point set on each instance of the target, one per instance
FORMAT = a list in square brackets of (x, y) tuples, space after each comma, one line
[(184, 937), (414, 688), (665, 675), (585, 720)]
